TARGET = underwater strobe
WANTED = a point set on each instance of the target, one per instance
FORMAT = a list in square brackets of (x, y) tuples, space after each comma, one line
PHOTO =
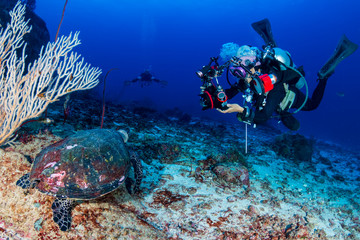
[(211, 95)]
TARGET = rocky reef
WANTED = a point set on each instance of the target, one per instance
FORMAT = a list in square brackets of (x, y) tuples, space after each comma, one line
[(198, 182)]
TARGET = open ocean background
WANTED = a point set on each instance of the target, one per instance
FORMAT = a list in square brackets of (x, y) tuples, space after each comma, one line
[(202, 179), (176, 38)]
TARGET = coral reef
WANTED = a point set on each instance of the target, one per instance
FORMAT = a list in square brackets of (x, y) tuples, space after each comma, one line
[(294, 146), (187, 191), (232, 173)]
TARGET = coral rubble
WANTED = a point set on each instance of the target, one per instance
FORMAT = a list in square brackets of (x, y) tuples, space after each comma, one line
[(193, 187)]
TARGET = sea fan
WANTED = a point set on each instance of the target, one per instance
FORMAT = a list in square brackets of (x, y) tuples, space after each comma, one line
[(30, 4)]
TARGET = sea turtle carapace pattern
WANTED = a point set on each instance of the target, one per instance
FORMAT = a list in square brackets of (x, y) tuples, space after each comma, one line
[(83, 166)]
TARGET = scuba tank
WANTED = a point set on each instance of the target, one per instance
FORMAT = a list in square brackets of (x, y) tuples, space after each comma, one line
[(284, 61), (274, 55)]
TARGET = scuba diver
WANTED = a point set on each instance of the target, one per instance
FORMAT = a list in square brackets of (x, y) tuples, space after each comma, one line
[(145, 79), (268, 79)]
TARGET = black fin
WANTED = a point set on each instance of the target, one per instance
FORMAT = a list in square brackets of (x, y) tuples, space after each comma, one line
[(290, 122), (62, 212), (344, 49), (263, 28)]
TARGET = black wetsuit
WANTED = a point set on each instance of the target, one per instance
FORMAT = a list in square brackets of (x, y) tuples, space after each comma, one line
[(260, 114)]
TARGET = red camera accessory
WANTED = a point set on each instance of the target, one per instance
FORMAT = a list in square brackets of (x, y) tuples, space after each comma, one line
[(268, 81), (221, 96)]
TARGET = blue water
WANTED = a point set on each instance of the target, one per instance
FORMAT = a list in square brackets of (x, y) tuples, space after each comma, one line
[(176, 38)]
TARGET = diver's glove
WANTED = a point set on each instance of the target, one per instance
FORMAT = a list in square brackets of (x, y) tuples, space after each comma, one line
[(246, 116)]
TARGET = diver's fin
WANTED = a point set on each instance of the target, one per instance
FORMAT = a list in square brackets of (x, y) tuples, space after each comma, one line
[(290, 122), (263, 28), (344, 49)]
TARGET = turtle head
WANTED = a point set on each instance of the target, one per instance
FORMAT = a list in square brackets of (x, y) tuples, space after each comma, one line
[(26, 183)]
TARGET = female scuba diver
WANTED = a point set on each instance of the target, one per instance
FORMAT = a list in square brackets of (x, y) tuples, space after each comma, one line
[(273, 83)]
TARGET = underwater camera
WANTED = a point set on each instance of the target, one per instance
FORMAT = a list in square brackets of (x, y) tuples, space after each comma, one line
[(209, 71), (212, 95)]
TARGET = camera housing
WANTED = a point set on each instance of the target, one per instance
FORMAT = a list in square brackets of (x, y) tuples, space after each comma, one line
[(211, 95)]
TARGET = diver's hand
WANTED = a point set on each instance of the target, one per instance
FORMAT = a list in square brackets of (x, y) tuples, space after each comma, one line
[(232, 108)]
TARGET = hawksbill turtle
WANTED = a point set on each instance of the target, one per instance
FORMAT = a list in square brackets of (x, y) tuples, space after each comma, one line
[(83, 166)]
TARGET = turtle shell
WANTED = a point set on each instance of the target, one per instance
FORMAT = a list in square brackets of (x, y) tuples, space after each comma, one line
[(85, 165)]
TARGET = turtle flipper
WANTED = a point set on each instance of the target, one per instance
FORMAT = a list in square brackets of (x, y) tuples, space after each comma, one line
[(62, 212), (128, 184), (29, 159), (24, 182), (138, 171)]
